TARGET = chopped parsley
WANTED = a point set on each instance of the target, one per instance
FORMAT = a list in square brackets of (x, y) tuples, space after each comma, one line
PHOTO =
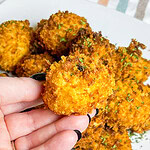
[(82, 22), (81, 60), (60, 25), (138, 107), (145, 67), (63, 40), (22, 27)]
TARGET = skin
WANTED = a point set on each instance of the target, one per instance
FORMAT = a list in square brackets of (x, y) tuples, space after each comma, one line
[(28, 131)]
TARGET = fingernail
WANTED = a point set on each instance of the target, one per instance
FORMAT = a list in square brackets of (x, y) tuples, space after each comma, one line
[(39, 76), (97, 111), (89, 118), (79, 134)]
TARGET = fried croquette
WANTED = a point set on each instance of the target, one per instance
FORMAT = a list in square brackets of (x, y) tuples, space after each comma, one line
[(99, 137), (14, 43), (32, 64), (3, 75), (77, 84), (92, 43), (56, 33), (130, 64), (129, 107)]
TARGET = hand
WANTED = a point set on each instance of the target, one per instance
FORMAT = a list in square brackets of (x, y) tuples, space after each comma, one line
[(36, 129)]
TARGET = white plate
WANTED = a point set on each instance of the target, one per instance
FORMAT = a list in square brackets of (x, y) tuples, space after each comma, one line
[(118, 27)]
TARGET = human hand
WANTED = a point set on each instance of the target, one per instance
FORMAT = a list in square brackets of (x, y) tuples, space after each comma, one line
[(36, 129)]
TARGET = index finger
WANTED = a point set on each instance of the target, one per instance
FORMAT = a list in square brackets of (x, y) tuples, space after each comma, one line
[(13, 90)]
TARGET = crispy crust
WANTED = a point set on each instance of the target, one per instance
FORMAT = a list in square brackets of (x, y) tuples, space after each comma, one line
[(14, 43), (77, 84), (129, 107), (32, 64), (56, 33), (100, 137), (130, 63)]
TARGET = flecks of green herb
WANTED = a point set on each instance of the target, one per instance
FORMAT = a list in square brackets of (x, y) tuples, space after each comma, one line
[(74, 34), (107, 108), (60, 25), (136, 56), (82, 22), (103, 139), (137, 81), (22, 28), (74, 24), (116, 111), (114, 146), (81, 60), (123, 59), (97, 54), (69, 30), (138, 107), (145, 67), (142, 102), (102, 39), (124, 50), (120, 140), (71, 74), (63, 40)]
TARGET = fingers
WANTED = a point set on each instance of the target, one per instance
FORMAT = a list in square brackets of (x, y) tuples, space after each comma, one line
[(4, 135), (64, 140), (18, 107), (42, 135), (14, 90), (20, 124)]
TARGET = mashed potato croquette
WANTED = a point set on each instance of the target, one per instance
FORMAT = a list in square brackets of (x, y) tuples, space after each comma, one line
[(99, 137), (129, 107), (77, 84), (32, 64), (56, 33), (130, 63), (14, 43)]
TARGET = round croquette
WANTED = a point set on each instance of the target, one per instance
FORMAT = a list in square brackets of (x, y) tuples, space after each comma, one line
[(32, 64), (77, 84), (14, 43), (59, 30)]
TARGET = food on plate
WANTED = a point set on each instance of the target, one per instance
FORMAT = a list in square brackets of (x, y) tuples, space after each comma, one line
[(98, 136), (32, 64), (129, 107), (56, 33), (14, 43), (88, 72), (77, 84)]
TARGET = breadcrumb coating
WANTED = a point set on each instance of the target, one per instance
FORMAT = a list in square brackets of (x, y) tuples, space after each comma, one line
[(99, 137), (91, 43), (77, 84), (14, 43), (130, 63), (129, 107), (32, 64), (56, 33)]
